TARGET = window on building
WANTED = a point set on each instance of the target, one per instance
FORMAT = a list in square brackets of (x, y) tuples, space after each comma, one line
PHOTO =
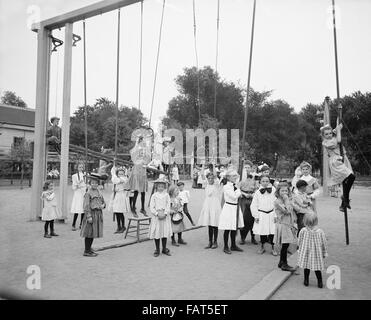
[(18, 140)]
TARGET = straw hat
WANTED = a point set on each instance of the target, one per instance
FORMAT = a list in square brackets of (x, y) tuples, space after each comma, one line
[(162, 180)]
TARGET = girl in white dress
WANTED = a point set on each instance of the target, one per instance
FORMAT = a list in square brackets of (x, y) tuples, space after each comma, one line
[(79, 189), (211, 209), (160, 227), (175, 174), (51, 210), (120, 203), (262, 209), (228, 216)]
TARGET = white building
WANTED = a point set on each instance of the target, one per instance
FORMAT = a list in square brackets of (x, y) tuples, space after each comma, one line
[(16, 124)]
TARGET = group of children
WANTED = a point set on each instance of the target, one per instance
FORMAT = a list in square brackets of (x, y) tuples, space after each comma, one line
[(269, 209), (279, 213)]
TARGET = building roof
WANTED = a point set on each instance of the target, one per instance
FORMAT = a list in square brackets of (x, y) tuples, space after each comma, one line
[(17, 116)]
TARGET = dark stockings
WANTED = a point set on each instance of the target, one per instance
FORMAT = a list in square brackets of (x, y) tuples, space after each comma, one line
[(88, 243), (233, 238), (347, 185), (267, 238), (157, 244), (142, 199), (163, 240), (120, 218), (75, 216), (318, 275), (283, 255)]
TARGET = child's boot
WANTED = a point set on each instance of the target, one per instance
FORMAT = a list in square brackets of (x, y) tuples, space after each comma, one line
[(173, 242), (215, 245), (46, 235), (209, 245), (226, 250), (253, 241), (319, 279), (306, 277)]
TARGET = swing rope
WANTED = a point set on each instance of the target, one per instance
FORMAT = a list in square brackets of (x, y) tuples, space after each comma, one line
[(140, 55), (158, 55), (117, 81), (357, 145), (196, 56), (216, 56), (85, 104)]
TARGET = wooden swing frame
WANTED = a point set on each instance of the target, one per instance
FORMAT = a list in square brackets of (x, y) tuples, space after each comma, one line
[(44, 31)]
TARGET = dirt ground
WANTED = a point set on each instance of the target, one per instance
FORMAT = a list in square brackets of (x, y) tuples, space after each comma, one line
[(131, 272)]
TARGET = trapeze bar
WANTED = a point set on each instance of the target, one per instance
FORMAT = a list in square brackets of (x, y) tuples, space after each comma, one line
[(82, 13)]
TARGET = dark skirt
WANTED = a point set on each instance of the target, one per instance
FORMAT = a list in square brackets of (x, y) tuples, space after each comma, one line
[(95, 229), (248, 219)]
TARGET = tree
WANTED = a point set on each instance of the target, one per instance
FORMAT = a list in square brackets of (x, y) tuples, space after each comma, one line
[(11, 99), (184, 107), (101, 125)]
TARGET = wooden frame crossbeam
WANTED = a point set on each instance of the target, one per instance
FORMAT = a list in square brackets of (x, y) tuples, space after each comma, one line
[(82, 13)]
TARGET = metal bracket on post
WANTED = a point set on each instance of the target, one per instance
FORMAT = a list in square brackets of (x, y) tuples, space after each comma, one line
[(56, 43), (75, 38)]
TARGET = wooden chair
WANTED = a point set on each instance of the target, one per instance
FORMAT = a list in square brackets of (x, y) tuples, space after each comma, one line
[(140, 222)]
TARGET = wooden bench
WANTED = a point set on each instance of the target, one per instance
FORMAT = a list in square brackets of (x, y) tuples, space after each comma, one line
[(140, 222)]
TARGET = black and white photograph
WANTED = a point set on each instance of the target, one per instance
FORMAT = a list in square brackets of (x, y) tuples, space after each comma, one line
[(165, 151)]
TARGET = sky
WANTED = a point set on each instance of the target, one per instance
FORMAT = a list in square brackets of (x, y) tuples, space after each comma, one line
[(293, 49)]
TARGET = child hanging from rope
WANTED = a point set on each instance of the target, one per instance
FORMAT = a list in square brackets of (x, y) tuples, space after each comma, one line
[(211, 209), (120, 203), (51, 210), (340, 172), (79, 189), (92, 224), (160, 227)]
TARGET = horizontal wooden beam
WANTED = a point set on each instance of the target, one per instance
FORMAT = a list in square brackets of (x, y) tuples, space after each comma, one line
[(82, 13)]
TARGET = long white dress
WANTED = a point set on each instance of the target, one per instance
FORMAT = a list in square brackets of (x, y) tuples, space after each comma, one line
[(262, 207), (79, 190), (227, 220), (120, 202), (160, 228), (211, 208)]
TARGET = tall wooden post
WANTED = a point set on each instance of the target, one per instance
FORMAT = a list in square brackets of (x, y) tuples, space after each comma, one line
[(325, 164), (63, 187), (42, 91)]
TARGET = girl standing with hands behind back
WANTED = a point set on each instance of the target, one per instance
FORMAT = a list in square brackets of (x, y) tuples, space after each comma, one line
[(92, 224), (285, 224), (79, 189)]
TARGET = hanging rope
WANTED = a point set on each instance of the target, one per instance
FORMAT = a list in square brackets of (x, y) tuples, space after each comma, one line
[(357, 145), (140, 54), (216, 56), (85, 104), (117, 80), (196, 55), (158, 55)]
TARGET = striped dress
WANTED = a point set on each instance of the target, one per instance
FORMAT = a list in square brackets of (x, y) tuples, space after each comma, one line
[(312, 249)]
